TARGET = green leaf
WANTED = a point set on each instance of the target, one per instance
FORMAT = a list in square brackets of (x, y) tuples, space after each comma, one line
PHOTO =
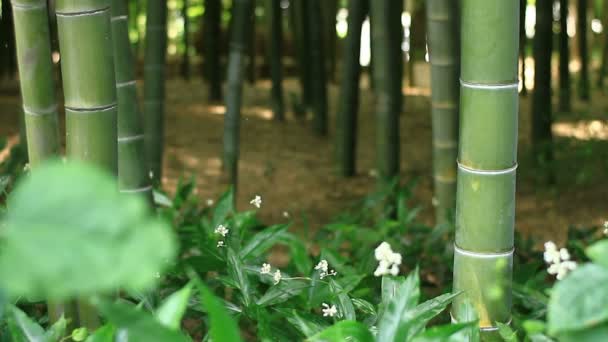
[(222, 326), (598, 252), (396, 301), (467, 314), (237, 273), (282, 292), (344, 331), (413, 321), (507, 334), (104, 334), (445, 333), (364, 306), (161, 199), (57, 331), (25, 328), (223, 208), (262, 241), (594, 334), (80, 334), (346, 309), (306, 323), (298, 253), (138, 325), (171, 311), (79, 236), (579, 301)]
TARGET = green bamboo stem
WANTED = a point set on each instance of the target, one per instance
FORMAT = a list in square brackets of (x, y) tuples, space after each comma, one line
[(522, 44), (443, 51), (154, 86), (541, 98), (36, 79), (564, 58), (89, 86), (276, 42), (318, 70), (185, 66), (241, 12), (132, 172), (387, 34), (346, 120), (211, 50), (485, 208), (581, 31)]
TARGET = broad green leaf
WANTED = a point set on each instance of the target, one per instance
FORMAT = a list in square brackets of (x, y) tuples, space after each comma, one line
[(594, 334), (306, 323), (445, 333), (540, 338), (598, 252), (344, 331), (57, 331), (171, 311), (237, 272), (396, 304), (507, 334), (104, 334), (79, 236), (467, 314), (222, 326), (25, 329), (579, 301), (364, 306), (138, 325), (161, 199), (262, 241), (223, 208), (533, 326), (298, 252), (413, 321), (346, 309), (282, 292), (80, 334)]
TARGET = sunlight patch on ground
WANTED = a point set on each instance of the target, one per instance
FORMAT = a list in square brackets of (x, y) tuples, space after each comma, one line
[(217, 109), (582, 130)]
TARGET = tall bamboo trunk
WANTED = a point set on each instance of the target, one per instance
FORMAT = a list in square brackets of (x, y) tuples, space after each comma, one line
[(522, 44), (185, 66), (89, 86), (300, 20), (444, 57), (329, 9), (604, 61), (564, 58), (317, 66), (276, 43), (583, 52), (154, 86), (8, 59), (212, 65), (242, 10), (251, 48), (36, 79), (485, 208), (132, 172), (541, 99), (346, 120), (387, 34)]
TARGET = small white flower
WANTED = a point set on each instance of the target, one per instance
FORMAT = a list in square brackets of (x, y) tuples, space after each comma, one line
[(277, 276), (222, 230), (266, 269), (330, 311), (257, 201), (285, 214), (606, 228), (564, 268), (551, 254), (388, 261), (151, 174), (220, 244), (322, 265), (558, 260), (564, 255), (26, 167), (210, 202)]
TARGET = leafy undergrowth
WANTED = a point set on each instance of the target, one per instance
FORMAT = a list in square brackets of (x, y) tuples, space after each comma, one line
[(202, 271)]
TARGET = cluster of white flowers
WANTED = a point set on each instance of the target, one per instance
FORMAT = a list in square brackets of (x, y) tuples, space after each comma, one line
[(330, 311), (256, 201), (323, 266), (223, 231), (267, 269), (559, 260), (389, 261)]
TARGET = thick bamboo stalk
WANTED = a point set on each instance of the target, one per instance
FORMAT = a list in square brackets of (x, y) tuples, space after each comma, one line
[(154, 86), (241, 12), (485, 207), (89, 86), (276, 42), (36, 79), (443, 52), (564, 58), (387, 34), (541, 98), (581, 31), (211, 48), (346, 120), (132, 171), (300, 20), (317, 68)]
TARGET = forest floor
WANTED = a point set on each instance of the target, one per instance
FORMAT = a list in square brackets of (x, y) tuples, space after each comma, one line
[(294, 171)]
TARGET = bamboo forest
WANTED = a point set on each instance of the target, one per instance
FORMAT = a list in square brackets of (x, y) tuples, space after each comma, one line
[(304, 170)]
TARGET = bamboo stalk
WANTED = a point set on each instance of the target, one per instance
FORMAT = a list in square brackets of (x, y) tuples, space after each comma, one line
[(185, 66), (276, 42), (443, 53), (485, 208), (85, 42), (346, 120), (387, 34), (564, 58), (317, 68), (132, 172), (154, 86), (583, 51), (211, 50), (241, 12)]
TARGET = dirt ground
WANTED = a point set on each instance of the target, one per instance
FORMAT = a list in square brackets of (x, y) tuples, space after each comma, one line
[(293, 171)]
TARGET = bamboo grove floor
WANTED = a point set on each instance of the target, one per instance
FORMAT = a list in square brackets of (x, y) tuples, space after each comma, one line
[(293, 170)]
